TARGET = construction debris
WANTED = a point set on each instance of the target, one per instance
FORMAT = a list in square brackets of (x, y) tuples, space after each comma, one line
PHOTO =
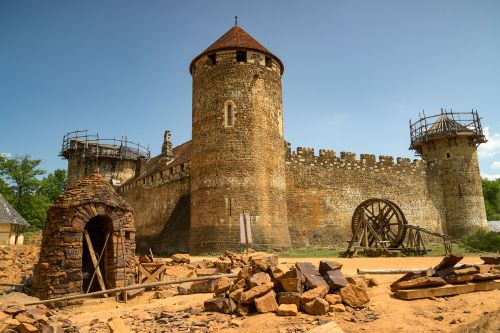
[(445, 274), (264, 286)]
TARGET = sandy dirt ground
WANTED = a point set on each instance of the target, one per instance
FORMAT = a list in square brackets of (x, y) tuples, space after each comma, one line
[(163, 311)]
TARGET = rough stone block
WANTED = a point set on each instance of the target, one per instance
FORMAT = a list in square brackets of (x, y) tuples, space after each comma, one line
[(207, 286), (354, 296), (184, 288), (333, 299), (287, 310), (228, 306), (289, 297), (181, 258), (222, 285), (266, 303), (257, 291), (311, 294), (259, 278), (317, 307), (337, 308)]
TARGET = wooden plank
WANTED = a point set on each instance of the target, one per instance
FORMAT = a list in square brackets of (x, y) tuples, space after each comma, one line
[(448, 290), (330, 327), (94, 261)]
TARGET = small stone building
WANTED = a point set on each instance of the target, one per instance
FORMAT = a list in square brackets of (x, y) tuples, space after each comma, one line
[(90, 209), (12, 224)]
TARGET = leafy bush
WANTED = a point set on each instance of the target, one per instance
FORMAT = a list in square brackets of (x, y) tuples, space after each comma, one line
[(483, 240)]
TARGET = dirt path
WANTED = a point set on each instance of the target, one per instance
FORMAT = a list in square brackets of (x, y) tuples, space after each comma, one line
[(393, 315)]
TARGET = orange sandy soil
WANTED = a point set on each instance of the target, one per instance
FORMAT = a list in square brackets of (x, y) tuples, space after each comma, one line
[(462, 313)]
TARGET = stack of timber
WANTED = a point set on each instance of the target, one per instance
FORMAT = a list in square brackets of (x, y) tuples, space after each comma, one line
[(448, 278), (262, 286)]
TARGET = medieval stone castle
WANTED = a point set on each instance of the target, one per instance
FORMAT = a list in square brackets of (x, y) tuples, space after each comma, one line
[(190, 197)]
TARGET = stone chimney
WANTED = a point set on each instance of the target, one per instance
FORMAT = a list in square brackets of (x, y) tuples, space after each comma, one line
[(166, 148)]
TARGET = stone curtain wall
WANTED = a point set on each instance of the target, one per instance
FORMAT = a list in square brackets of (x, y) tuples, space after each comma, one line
[(454, 165), (240, 168), (59, 270), (323, 192), (162, 216)]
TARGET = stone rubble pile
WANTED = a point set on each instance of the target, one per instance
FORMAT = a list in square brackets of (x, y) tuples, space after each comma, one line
[(262, 286), (446, 272), (32, 319), (15, 262)]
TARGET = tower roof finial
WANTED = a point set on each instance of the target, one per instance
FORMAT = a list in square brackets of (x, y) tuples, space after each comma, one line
[(236, 21)]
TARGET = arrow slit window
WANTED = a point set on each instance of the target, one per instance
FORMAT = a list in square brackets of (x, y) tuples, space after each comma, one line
[(229, 114)]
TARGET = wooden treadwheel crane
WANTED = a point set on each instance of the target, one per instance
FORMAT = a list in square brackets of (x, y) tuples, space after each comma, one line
[(379, 227)]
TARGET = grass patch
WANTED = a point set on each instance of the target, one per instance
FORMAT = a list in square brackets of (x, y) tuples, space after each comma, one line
[(483, 240)]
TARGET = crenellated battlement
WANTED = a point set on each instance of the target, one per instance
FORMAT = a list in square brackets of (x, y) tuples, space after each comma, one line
[(348, 160), (158, 177)]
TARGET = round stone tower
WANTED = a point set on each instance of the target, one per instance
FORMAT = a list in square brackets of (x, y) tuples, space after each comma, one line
[(448, 143), (238, 154), (117, 160)]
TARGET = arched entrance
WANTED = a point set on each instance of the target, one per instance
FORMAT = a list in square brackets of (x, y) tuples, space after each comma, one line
[(97, 242)]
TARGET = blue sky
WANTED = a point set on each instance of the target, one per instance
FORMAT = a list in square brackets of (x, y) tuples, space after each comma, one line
[(355, 71)]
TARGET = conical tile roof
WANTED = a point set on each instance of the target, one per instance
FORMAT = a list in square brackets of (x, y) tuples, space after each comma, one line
[(236, 38)]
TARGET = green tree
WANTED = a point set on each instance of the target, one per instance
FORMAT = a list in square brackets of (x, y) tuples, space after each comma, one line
[(491, 192), (53, 185)]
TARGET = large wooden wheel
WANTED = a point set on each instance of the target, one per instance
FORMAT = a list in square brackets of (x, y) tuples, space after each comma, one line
[(384, 222)]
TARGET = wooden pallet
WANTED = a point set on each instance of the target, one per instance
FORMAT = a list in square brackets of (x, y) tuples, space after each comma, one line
[(448, 290)]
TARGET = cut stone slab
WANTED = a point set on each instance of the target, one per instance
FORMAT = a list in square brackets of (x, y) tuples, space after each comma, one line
[(449, 260), (448, 290), (181, 258), (425, 281), (354, 296), (117, 325), (287, 310), (311, 294), (330, 327), (289, 297), (214, 304), (325, 266), (228, 306), (259, 278), (333, 299), (317, 307), (258, 291), (335, 279), (311, 275), (413, 275), (491, 260), (465, 271), (445, 271), (457, 278), (485, 276), (266, 303)]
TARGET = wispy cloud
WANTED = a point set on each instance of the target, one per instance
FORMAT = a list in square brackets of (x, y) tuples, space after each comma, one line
[(492, 147), (495, 165), (490, 176)]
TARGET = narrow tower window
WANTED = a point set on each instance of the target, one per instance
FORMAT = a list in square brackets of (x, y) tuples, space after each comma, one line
[(212, 58), (229, 114)]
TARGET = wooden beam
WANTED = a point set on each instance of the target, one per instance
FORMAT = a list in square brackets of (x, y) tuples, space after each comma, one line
[(448, 290), (131, 287), (94, 260)]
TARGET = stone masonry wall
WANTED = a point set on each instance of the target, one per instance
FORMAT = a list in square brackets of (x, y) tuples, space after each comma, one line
[(323, 192), (161, 209)]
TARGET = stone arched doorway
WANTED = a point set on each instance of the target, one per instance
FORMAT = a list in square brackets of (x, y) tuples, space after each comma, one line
[(89, 209), (96, 248)]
